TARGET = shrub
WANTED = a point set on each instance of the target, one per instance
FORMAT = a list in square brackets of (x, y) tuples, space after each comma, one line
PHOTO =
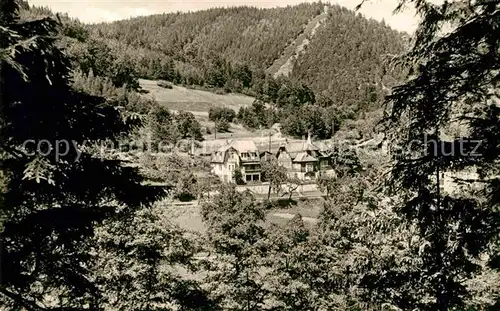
[(222, 126), (164, 84), (238, 176), (221, 113)]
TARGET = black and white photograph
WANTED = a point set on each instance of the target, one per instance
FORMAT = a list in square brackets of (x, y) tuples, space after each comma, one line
[(288, 155)]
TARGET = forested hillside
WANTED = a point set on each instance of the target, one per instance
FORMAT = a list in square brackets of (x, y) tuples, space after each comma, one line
[(342, 72), (241, 34), (345, 57), (348, 58)]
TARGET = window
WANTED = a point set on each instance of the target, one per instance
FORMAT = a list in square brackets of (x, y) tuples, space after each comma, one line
[(309, 167), (244, 155)]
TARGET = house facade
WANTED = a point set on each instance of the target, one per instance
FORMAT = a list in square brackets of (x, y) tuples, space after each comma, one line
[(242, 155), (304, 160)]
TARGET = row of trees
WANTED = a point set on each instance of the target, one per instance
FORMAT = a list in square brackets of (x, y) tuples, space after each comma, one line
[(296, 121)]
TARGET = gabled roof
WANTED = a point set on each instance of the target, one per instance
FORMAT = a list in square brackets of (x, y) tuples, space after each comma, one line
[(265, 147), (304, 157), (245, 146), (294, 149), (298, 146), (220, 155), (240, 146), (224, 148)]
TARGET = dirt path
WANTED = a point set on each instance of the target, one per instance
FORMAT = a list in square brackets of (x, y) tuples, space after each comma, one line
[(284, 64)]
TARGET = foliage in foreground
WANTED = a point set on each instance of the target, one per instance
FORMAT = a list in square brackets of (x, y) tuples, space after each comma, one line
[(454, 81), (53, 204)]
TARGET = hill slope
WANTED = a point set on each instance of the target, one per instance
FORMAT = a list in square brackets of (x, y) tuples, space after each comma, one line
[(333, 57), (344, 57), (348, 57), (284, 64), (240, 34), (196, 101)]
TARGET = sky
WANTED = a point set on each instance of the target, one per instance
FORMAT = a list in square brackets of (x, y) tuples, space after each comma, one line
[(91, 11)]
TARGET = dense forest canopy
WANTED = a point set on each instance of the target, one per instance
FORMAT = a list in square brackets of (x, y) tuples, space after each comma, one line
[(343, 72), (344, 58), (240, 34)]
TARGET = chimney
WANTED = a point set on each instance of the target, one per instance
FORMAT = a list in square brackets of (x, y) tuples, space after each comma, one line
[(309, 138)]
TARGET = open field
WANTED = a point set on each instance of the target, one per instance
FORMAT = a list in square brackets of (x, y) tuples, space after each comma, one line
[(197, 101)]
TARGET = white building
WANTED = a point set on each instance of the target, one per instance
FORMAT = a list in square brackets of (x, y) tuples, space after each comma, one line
[(242, 154)]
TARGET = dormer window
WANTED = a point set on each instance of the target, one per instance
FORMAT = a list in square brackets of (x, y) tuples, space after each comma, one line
[(244, 155)]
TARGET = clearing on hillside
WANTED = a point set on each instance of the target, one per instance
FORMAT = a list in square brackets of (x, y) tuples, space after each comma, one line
[(196, 101), (199, 103), (284, 64)]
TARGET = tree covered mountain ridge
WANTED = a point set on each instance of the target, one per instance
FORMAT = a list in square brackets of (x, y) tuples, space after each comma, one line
[(343, 68), (345, 53)]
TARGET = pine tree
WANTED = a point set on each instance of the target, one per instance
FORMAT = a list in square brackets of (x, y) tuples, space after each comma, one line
[(53, 198), (235, 231), (454, 79)]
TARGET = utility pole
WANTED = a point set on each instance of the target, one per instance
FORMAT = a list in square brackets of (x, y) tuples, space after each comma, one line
[(192, 146), (215, 129), (270, 138), (261, 135)]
